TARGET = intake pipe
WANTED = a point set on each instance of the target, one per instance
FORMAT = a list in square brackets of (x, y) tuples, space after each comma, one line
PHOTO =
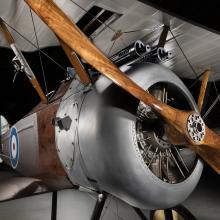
[(131, 53)]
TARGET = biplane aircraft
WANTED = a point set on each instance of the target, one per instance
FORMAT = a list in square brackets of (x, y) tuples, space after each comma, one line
[(130, 120)]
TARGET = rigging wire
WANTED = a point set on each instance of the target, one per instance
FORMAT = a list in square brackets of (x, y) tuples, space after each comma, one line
[(112, 46), (196, 80), (38, 47), (106, 25), (103, 23), (26, 39), (211, 107), (145, 29), (190, 65), (173, 36), (197, 77), (216, 90), (60, 66), (112, 29), (215, 102), (106, 206)]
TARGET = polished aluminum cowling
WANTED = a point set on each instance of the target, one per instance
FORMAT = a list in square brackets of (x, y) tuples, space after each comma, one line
[(100, 148)]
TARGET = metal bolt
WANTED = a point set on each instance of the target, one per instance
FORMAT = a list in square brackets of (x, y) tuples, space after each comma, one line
[(67, 167)]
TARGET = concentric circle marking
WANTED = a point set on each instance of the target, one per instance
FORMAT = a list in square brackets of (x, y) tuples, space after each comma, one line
[(14, 147), (196, 127)]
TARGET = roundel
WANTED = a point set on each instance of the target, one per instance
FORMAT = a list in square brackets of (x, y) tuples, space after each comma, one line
[(14, 147)]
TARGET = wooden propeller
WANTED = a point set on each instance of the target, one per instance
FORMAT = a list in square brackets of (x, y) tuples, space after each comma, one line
[(180, 125)]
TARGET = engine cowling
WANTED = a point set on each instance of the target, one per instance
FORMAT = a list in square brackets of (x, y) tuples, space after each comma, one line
[(100, 148)]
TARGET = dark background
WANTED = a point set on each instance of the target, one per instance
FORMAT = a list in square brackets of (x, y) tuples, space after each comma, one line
[(202, 13), (18, 98)]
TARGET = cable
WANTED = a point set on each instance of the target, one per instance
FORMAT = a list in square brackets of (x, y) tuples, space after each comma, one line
[(145, 29), (112, 47), (197, 77), (190, 65), (38, 47), (216, 90), (106, 25), (196, 80), (211, 107), (26, 39), (106, 206)]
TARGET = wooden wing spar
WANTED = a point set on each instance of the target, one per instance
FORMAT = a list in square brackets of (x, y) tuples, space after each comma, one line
[(182, 127)]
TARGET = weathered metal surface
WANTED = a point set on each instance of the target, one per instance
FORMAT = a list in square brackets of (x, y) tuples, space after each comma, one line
[(36, 144), (37, 155), (67, 141), (100, 148), (50, 168), (109, 147), (28, 158), (175, 119), (64, 85), (49, 164)]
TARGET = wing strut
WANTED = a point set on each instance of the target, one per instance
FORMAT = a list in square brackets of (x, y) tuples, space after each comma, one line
[(74, 60), (202, 93), (23, 63)]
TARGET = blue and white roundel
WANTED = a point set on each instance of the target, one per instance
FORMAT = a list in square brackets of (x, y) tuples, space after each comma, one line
[(14, 147)]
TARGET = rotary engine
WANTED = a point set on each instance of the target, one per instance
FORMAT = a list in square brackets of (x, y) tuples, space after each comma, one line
[(117, 144)]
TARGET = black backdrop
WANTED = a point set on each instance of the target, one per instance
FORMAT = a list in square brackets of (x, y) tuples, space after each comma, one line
[(18, 98)]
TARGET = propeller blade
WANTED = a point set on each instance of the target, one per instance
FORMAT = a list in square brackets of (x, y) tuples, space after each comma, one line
[(209, 149), (188, 126)]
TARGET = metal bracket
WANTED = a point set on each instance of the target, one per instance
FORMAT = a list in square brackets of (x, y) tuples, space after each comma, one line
[(62, 123), (99, 206)]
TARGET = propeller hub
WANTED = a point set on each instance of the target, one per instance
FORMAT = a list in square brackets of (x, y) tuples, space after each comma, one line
[(196, 127)]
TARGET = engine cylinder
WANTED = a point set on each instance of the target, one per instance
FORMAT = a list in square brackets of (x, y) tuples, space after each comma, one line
[(131, 53)]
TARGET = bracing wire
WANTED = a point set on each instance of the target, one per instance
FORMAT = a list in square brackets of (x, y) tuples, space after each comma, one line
[(38, 47), (32, 44), (196, 80), (112, 46), (64, 69), (197, 77), (106, 25), (216, 90), (113, 30), (189, 63), (106, 206), (211, 107)]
